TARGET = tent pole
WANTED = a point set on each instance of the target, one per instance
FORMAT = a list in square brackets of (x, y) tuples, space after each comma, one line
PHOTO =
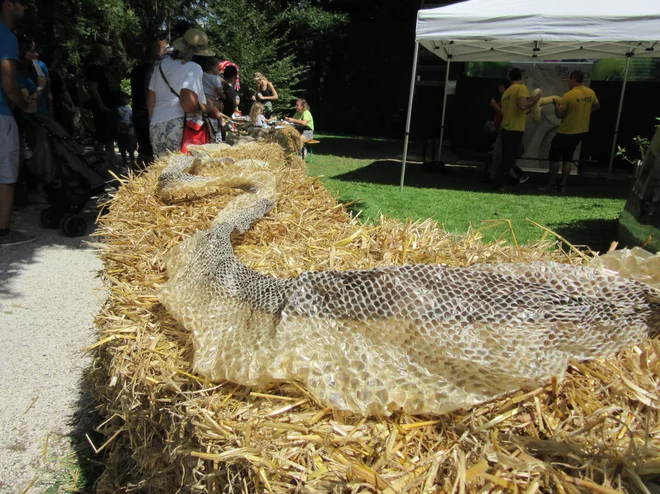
[(408, 116), (618, 116), (444, 108)]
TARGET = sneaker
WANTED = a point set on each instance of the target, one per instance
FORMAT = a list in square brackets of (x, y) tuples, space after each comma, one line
[(15, 238), (523, 178)]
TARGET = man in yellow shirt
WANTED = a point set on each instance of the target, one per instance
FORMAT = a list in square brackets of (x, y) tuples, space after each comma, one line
[(574, 110), (515, 103)]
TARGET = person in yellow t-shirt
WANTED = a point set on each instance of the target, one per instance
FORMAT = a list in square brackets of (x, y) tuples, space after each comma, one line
[(574, 110), (515, 103)]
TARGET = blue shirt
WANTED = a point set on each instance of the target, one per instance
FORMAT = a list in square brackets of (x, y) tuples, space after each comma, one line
[(30, 84), (8, 51)]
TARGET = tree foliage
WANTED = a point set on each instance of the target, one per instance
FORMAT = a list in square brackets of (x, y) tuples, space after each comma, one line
[(244, 34), (65, 29)]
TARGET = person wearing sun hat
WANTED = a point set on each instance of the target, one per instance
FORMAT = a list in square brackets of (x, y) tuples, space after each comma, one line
[(176, 92)]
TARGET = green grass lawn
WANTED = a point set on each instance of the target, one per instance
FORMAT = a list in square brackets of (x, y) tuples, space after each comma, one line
[(368, 171)]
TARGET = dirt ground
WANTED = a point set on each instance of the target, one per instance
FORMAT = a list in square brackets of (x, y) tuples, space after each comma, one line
[(50, 292)]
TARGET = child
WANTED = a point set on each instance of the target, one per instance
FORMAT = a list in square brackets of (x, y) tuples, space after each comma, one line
[(126, 140), (212, 85), (211, 81), (304, 121), (257, 117)]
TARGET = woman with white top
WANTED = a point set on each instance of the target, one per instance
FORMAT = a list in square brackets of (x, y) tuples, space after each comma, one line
[(176, 92)]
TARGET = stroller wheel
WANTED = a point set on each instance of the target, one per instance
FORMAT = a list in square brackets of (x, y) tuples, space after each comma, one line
[(50, 218), (74, 226)]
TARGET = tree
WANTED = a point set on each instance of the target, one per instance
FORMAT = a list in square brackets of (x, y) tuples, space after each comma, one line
[(315, 32), (65, 29), (250, 36), (367, 72)]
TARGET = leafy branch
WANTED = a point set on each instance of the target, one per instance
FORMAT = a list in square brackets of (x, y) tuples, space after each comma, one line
[(642, 143)]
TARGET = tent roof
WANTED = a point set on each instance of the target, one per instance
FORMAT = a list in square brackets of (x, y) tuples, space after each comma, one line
[(503, 30)]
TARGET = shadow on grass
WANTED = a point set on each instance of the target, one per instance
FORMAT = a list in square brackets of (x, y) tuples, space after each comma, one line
[(361, 147), (468, 178), (597, 234)]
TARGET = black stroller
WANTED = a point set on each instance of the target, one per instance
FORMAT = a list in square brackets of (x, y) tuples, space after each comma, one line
[(70, 177)]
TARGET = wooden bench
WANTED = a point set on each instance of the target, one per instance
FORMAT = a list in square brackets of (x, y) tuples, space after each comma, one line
[(309, 149)]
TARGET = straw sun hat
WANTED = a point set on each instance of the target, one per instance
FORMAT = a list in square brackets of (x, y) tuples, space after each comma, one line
[(195, 40)]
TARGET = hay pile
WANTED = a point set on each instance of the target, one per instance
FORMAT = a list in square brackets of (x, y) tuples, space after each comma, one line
[(288, 138), (167, 429)]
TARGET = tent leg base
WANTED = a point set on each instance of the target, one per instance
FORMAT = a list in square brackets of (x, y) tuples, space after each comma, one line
[(434, 149)]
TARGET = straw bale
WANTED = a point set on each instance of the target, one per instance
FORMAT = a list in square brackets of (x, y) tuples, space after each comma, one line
[(288, 138), (169, 430)]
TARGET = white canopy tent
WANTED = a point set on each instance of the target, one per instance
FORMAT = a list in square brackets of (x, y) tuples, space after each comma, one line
[(536, 30)]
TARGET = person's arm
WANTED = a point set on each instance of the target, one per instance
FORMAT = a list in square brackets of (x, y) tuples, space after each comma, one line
[(96, 97), (496, 108), (59, 86), (191, 104), (49, 99), (296, 120), (37, 93), (191, 86), (47, 89), (525, 102), (560, 109), (12, 89), (67, 102), (274, 96), (595, 106), (151, 102)]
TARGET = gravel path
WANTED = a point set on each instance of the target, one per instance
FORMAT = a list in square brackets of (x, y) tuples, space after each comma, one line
[(49, 294)]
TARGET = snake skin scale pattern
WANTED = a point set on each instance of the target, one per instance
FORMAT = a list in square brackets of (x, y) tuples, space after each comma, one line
[(422, 338)]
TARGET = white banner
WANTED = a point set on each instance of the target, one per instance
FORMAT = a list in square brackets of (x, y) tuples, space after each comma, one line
[(552, 78)]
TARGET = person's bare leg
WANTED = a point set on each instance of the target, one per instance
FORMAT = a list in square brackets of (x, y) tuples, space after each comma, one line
[(110, 153), (497, 158), (6, 204), (131, 157), (303, 139), (565, 172), (554, 172)]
